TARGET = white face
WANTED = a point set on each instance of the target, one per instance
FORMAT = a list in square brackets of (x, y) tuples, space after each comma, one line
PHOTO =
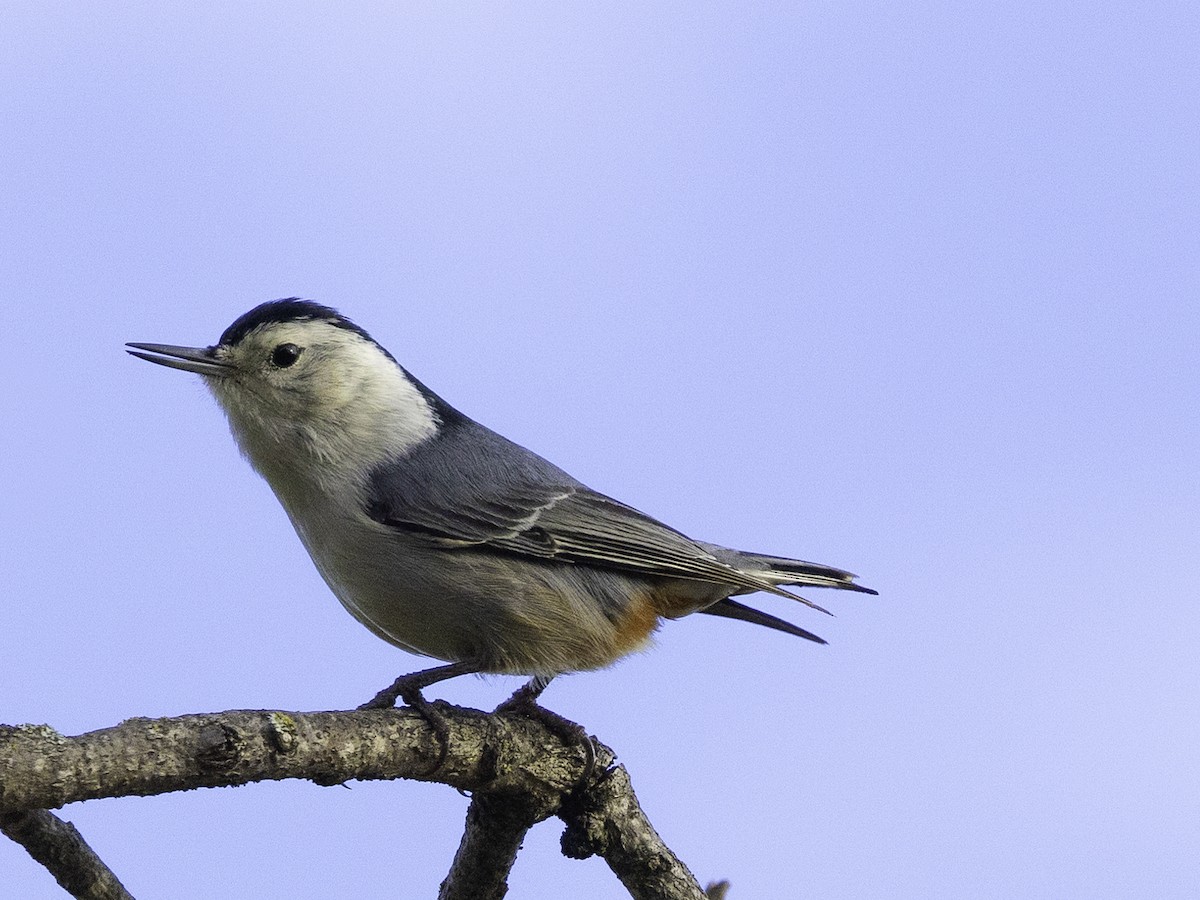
[(295, 370), (308, 398)]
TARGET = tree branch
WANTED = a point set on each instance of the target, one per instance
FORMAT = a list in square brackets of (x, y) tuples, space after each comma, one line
[(41, 769), (520, 772), (607, 821), (496, 826), (60, 847)]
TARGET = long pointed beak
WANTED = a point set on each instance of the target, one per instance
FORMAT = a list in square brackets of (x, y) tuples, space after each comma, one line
[(189, 359)]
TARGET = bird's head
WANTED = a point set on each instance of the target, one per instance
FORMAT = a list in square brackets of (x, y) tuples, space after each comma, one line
[(304, 387)]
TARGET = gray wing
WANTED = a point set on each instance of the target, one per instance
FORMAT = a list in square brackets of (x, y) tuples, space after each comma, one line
[(470, 487)]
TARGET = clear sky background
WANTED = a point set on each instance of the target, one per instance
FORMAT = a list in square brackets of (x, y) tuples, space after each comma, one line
[(909, 288)]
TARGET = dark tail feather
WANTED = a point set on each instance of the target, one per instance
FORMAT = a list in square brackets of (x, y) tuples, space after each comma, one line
[(731, 609)]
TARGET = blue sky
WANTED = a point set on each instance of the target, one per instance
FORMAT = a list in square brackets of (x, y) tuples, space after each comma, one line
[(905, 288)]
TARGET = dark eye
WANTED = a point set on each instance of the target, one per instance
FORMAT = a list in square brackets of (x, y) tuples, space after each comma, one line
[(284, 355)]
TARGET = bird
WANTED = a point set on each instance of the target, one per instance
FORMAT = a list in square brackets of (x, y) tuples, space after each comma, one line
[(443, 537)]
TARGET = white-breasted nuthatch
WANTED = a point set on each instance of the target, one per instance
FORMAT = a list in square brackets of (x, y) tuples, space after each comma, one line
[(443, 537)]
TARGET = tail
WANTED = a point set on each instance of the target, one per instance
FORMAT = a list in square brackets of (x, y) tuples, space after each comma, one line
[(777, 571), (731, 609), (781, 570)]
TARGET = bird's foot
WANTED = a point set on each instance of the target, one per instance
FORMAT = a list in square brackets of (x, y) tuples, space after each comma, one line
[(524, 702), (408, 688)]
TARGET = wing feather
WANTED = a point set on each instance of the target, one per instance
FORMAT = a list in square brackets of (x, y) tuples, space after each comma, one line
[(476, 489)]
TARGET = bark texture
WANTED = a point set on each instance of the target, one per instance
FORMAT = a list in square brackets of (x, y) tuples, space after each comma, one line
[(519, 773)]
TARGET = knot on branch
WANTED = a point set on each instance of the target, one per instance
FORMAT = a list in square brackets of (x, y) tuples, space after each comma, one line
[(283, 732), (587, 824), (218, 746)]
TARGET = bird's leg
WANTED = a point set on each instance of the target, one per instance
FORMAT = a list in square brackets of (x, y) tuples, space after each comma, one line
[(409, 687), (524, 701), (528, 692)]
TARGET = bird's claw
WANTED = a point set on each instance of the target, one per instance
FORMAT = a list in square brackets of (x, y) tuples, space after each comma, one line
[(408, 688), (524, 702)]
